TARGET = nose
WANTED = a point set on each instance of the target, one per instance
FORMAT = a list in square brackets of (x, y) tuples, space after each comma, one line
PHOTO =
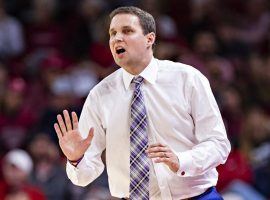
[(118, 37)]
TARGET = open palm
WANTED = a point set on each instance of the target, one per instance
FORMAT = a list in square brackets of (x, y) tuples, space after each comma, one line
[(70, 139)]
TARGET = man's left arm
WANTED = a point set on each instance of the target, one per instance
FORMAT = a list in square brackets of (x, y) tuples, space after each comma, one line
[(213, 146)]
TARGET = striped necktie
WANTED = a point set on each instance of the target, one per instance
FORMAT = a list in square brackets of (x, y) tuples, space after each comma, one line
[(139, 162)]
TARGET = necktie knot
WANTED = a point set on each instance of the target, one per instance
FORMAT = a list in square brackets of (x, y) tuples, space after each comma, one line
[(137, 81)]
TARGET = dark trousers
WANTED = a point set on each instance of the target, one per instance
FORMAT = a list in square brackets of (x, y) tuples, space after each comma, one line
[(209, 194)]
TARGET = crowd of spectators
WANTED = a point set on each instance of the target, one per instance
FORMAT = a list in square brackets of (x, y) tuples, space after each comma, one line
[(53, 52)]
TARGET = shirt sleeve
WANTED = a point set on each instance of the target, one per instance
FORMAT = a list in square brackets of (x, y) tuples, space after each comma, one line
[(212, 145), (91, 166)]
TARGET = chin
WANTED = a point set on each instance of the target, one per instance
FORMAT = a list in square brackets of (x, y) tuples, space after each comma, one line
[(120, 62)]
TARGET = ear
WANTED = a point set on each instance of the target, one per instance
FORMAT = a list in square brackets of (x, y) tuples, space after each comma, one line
[(151, 37)]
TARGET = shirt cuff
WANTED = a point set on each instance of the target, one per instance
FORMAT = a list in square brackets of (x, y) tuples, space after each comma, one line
[(77, 166), (185, 163), (76, 162)]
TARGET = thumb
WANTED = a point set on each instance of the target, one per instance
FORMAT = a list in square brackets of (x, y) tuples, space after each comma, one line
[(89, 137)]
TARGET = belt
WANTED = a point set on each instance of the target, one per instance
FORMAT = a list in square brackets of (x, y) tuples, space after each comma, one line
[(191, 198)]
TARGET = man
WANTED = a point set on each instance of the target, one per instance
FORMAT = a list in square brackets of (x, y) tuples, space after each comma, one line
[(158, 121)]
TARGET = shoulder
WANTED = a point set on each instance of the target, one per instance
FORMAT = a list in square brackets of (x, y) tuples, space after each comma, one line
[(179, 69), (109, 83)]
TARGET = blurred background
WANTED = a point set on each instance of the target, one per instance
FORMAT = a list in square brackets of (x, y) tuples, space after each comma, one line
[(52, 52)]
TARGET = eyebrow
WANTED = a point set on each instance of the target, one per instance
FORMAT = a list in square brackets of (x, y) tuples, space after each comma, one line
[(126, 27), (123, 27)]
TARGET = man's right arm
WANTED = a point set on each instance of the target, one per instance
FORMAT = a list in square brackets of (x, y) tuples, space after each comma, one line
[(91, 165)]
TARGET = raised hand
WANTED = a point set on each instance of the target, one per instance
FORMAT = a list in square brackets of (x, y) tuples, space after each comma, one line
[(70, 139), (163, 154)]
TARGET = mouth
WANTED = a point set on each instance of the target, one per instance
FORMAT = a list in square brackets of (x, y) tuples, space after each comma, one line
[(120, 50)]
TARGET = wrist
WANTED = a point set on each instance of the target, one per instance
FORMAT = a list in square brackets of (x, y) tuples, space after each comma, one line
[(75, 162)]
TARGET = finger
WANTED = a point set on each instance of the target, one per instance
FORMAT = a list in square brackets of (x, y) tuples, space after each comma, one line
[(67, 120), (58, 131), (170, 162), (61, 124), (158, 155), (167, 161), (157, 145), (89, 137), (75, 121), (157, 149)]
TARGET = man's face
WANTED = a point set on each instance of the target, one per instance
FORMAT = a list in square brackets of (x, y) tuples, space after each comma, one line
[(128, 44)]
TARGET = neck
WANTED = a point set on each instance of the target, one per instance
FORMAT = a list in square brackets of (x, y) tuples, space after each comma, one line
[(136, 69)]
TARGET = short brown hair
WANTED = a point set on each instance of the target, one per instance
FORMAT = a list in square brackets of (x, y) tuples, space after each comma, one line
[(146, 20)]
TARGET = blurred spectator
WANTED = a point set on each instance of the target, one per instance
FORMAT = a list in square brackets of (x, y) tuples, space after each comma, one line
[(43, 71), (204, 57), (205, 15), (233, 114), (256, 133), (90, 33), (167, 50), (237, 167), (84, 76), (49, 173), (17, 165), (255, 144), (16, 117), (43, 33), (259, 81), (99, 50), (166, 26), (230, 46), (11, 35), (60, 96), (239, 190), (254, 26), (81, 28), (50, 66), (262, 172)]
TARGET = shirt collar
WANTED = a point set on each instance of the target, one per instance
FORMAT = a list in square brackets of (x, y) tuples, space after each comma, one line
[(149, 74)]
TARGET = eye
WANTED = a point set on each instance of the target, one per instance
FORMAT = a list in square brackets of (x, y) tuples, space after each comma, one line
[(127, 31), (112, 33)]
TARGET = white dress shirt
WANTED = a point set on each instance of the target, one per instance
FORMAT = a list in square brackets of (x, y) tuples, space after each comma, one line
[(182, 114)]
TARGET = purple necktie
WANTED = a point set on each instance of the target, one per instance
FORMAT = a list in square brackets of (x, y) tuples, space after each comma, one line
[(139, 162)]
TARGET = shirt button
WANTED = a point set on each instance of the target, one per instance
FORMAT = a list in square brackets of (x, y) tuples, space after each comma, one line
[(183, 173)]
